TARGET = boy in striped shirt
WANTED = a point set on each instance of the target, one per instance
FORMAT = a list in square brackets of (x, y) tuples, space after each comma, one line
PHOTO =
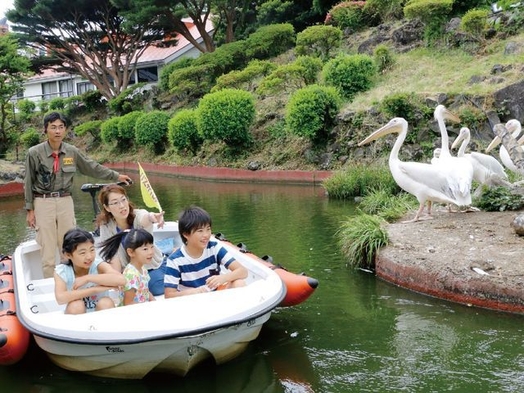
[(195, 267)]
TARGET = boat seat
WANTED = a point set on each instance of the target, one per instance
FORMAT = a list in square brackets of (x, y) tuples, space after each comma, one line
[(44, 303)]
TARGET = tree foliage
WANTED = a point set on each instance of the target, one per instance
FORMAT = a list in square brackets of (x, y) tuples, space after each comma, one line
[(83, 37), (14, 69), (168, 15)]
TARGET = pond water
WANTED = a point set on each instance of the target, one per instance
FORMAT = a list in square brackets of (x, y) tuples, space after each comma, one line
[(354, 334)]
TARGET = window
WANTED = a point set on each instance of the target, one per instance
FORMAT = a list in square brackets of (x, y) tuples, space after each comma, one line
[(66, 88), (49, 90), (149, 74), (82, 87)]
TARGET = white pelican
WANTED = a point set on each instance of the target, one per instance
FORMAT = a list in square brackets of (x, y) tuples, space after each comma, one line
[(425, 181), (515, 128), (458, 170), (486, 169)]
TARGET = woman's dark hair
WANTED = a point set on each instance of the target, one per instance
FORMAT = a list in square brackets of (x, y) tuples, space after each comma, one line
[(103, 198), (191, 219), (132, 239), (73, 238), (54, 116)]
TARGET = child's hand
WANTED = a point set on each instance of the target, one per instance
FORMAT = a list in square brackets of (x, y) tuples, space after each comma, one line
[(80, 282), (214, 282)]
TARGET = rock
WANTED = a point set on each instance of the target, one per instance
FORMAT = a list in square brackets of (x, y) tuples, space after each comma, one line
[(518, 225)]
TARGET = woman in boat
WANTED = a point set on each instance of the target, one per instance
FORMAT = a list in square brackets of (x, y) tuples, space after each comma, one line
[(140, 248), (195, 267), (83, 281), (118, 214)]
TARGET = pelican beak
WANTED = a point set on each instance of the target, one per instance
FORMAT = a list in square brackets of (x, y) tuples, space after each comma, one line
[(493, 144), (450, 116), (389, 128), (459, 138)]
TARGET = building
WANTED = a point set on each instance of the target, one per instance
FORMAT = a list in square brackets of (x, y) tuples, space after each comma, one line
[(51, 84)]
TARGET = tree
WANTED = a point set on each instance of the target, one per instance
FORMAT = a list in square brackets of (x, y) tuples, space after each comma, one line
[(168, 15), (86, 37), (14, 69)]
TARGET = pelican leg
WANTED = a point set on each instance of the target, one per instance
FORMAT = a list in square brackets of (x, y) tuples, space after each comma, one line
[(419, 212)]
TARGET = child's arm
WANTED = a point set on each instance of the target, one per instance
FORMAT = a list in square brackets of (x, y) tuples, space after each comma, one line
[(129, 297), (63, 296), (107, 276), (237, 272)]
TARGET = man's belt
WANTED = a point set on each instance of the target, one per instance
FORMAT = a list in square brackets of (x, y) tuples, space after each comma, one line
[(57, 194)]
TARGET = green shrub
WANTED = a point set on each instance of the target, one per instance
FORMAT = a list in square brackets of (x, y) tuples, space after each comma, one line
[(246, 77), (311, 68), (151, 130), (92, 100), (351, 74), (318, 41), (30, 137), (168, 69), (360, 237), (433, 13), (57, 104), (227, 115), (383, 58), (183, 131), (126, 127), (475, 22), (499, 199), (43, 106), (225, 58), (191, 82), (359, 180), (311, 112), (109, 130), (26, 106), (383, 10), (400, 105), (92, 127), (286, 77), (270, 41), (348, 15), (131, 99)]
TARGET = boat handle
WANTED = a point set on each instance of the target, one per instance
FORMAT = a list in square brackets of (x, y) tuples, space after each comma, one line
[(32, 309), (30, 287)]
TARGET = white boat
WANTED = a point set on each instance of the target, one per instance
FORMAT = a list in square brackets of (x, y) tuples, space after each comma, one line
[(168, 335)]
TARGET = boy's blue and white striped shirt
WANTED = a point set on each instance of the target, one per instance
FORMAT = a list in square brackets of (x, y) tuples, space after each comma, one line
[(183, 271)]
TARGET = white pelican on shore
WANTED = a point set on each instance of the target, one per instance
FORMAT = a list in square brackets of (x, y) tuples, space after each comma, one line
[(425, 181), (515, 128), (458, 170), (486, 169)]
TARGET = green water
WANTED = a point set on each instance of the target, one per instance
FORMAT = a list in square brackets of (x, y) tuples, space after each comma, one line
[(355, 334)]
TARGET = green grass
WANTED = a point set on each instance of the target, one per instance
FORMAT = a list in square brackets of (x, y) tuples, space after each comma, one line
[(389, 207), (428, 71), (360, 237)]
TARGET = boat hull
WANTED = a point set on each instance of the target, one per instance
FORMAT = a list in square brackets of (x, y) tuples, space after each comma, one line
[(173, 356)]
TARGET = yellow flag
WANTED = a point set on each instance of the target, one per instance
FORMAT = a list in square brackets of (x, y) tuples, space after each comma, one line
[(148, 195)]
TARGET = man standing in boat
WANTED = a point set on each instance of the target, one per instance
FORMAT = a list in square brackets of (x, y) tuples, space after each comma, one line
[(50, 168)]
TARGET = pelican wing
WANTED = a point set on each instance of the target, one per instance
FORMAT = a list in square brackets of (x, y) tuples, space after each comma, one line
[(489, 163)]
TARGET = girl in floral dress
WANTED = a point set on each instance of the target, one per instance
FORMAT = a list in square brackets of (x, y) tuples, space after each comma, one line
[(139, 246)]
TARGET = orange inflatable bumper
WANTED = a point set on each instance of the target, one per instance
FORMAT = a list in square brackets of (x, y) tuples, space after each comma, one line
[(14, 337)]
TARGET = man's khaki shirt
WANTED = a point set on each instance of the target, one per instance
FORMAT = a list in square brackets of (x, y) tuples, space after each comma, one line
[(39, 176)]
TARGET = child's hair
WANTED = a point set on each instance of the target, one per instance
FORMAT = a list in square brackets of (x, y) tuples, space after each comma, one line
[(103, 198), (191, 219), (132, 239), (73, 238)]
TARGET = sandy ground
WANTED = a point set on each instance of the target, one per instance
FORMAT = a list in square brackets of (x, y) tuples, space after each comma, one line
[(472, 254)]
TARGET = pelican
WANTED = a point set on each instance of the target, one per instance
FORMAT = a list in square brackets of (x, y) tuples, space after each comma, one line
[(515, 128), (486, 169), (425, 181), (458, 170)]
